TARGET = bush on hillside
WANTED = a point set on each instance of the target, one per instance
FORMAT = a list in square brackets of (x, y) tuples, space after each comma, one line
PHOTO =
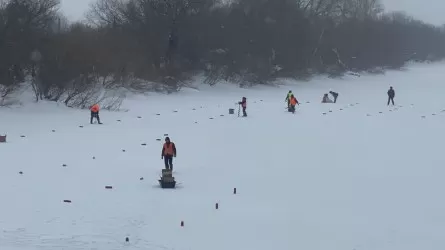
[(157, 45)]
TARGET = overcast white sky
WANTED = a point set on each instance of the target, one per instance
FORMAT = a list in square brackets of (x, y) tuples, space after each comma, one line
[(431, 11)]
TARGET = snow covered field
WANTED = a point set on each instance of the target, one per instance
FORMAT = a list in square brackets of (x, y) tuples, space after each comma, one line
[(367, 177)]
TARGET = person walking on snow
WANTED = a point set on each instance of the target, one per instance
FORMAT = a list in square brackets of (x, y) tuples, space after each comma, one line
[(334, 95), (243, 104), (95, 113), (288, 97), (168, 152), (293, 102), (391, 95)]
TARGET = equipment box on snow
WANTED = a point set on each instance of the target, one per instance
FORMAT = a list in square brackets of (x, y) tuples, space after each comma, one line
[(167, 180)]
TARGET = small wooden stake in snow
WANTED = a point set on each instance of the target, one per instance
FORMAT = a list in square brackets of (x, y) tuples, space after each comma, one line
[(216, 206), (234, 191), (182, 223), (127, 239), (108, 187), (67, 201)]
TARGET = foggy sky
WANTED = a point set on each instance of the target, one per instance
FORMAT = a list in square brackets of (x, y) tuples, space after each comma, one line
[(431, 11)]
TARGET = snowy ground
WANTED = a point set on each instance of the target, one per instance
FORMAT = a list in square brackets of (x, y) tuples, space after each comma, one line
[(366, 177)]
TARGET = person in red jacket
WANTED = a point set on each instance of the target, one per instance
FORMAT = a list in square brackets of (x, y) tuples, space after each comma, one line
[(243, 104), (95, 113), (168, 152)]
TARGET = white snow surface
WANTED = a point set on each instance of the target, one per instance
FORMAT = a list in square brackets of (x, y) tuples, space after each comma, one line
[(353, 179)]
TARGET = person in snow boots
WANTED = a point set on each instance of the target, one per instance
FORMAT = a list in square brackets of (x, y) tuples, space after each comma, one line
[(391, 95), (288, 97), (243, 104), (334, 95), (293, 102), (168, 152), (326, 99), (95, 113)]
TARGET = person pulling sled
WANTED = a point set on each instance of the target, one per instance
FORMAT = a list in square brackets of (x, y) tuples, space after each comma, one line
[(95, 113), (168, 152)]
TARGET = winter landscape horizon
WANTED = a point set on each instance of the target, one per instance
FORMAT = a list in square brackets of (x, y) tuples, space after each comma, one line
[(356, 174)]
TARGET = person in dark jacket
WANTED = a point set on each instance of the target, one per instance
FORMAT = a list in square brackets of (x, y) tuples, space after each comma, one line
[(243, 104), (334, 95), (168, 152), (391, 95)]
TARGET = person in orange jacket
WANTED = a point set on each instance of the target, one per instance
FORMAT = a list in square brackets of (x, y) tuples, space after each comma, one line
[(168, 152), (293, 102), (95, 113)]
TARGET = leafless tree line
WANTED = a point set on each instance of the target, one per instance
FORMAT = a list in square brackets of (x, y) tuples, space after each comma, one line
[(131, 43)]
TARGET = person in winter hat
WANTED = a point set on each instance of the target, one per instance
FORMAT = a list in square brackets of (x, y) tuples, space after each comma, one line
[(391, 94), (168, 152), (334, 95), (243, 104), (95, 113)]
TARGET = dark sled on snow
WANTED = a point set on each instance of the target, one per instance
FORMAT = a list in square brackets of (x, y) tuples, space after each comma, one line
[(167, 180)]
